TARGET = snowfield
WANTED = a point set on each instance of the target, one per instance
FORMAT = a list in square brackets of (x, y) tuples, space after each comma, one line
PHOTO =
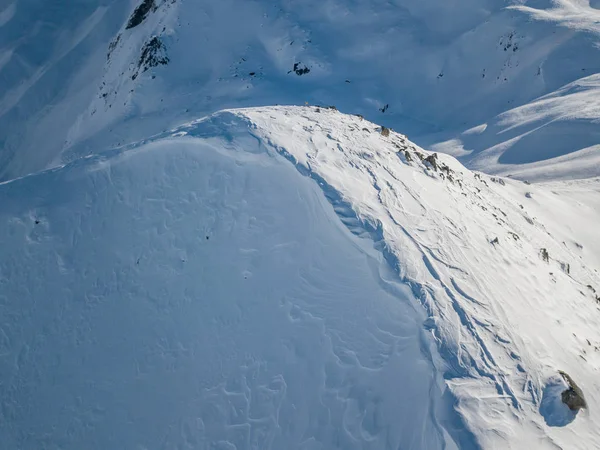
[(289, 277), (505, 85), (187, 264)]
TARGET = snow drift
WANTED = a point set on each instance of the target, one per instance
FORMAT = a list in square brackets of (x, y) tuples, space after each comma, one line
[(290, 278)]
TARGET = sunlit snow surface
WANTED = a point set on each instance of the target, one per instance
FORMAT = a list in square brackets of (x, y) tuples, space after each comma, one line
[(203, 294), (509, 86), (288, 278)]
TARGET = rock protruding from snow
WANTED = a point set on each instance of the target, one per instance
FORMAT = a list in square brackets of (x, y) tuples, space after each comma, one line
[(140, 13), (572, 397)]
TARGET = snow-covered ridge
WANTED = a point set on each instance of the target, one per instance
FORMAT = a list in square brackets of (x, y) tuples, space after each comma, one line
[(474, 250), (457, 75), (313, 304)]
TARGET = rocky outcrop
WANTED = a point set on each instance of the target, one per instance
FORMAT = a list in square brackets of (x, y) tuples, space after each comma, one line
[(140, 13), (572, 397), (154, 53)]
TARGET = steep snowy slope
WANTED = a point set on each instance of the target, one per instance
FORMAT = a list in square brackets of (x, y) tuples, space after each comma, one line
[(510, 288), (52, 57), (203, 294), (291, 278), (430, 68)]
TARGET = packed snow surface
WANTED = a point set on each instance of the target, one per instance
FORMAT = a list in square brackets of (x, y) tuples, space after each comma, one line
[(289, 277)]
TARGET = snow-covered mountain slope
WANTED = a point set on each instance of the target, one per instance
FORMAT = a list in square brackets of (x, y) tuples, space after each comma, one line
[(201, 293), (52, 57), (519, 76), (289, 277)]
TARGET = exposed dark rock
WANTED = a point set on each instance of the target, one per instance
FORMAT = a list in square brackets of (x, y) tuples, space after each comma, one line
[(495, 241), (432, 160), (112, 46), (140, 13), (545, 255), (385, 132), (154, 53), (572, 397), (300, 70)]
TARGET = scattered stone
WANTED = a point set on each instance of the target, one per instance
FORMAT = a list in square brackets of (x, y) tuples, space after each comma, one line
[(112, 46), (385, 132), (545, 255), (298, 70)]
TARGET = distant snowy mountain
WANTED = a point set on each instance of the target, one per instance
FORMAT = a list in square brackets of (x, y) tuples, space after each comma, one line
[(507, 86), (186, 264), (291, 277)]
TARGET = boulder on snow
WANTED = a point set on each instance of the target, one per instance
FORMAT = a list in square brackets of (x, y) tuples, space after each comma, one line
[(554, 410), (385, 132), (572, 397)]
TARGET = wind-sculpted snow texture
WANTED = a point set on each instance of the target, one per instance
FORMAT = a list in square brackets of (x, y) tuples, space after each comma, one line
[(202, 294), (508, 86), (471, 248), (287, 277)]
